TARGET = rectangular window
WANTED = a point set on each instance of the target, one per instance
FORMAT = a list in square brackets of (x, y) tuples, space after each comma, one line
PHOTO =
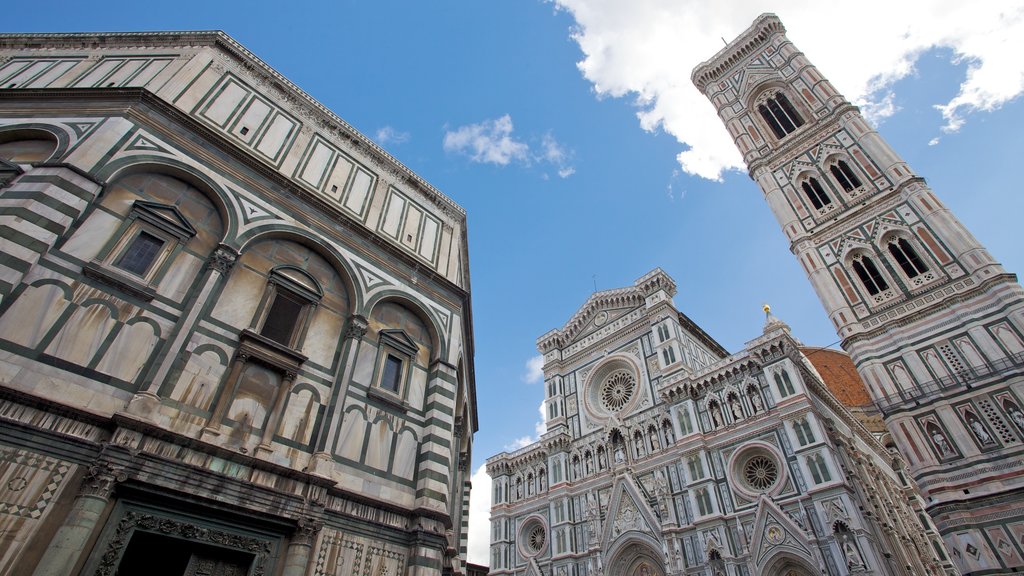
[(391, 380), (140, 253), (284, 314)]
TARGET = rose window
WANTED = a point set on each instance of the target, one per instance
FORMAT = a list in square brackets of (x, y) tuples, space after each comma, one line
[(535, 539), (617, 390), (760, 472)]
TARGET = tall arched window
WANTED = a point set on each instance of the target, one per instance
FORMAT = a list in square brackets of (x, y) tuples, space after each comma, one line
[(907, 257), (780, 115), (845, 176), (784, 384), (869, 275), (815, 193)]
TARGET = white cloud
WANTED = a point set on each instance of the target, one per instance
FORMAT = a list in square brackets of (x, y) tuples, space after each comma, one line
[(934, 141), (491, 142), (646, 50), (477, 550), (488, 142), (534, 370), (388, 135), (557, 155), (539, 428), (521, 442)]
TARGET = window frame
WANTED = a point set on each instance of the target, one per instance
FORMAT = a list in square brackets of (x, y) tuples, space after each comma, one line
[(909, 247), (162, 221), (397, 344), (841, 170), (855, 264), (280, 281), (774, 105)]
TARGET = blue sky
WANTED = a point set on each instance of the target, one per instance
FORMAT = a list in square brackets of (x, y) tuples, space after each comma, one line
[(559, 127)]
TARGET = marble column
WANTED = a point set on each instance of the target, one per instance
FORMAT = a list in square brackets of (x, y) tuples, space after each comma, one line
[(296, 559), (65, 550), (146, 402), (330, 426)]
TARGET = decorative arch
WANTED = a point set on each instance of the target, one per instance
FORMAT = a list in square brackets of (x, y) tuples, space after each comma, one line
[(777, 108), (785, 563), (33, 132), (635, 554), (439, 345), (916, 264), (868, 270), (222, 201)]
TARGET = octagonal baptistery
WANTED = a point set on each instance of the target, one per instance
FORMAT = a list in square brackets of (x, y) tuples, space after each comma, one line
[(665, 454), (236, 333)]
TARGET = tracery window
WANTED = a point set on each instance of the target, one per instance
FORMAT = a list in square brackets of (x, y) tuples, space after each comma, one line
[(907, 258), (784, 384), (815, 193), (818, 469), (669, 355), (696, 468), (780, 115), (617, 390), (685, 422), (869, 275), (760, 472), (804, 432), (703, 498), (845, 176)]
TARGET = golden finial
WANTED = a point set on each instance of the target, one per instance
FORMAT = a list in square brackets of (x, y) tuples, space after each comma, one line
[(767, 309)]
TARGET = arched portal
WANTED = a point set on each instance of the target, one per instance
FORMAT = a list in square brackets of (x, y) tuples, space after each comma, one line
[(636, 558), (786, 565)]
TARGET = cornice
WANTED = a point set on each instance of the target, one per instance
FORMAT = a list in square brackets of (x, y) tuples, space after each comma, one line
[(219, 39), (790, 146), (630, 296), (752, 39)]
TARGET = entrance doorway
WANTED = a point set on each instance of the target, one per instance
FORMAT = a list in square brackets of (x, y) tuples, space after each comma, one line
[(150, 554)]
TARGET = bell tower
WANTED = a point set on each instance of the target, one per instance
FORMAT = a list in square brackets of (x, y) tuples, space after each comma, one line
[(934, 324)]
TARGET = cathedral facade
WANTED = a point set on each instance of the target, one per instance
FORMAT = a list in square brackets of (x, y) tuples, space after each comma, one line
[(664, 454), (932, 321), (235, 334)]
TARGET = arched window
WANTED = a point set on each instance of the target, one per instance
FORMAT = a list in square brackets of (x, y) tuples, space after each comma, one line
[(819, 470), (780, 115), (804, 432), (907, 257), (815, 193), (696, 467), (845, 176), (784, 384), (704, 506), (869, 275)]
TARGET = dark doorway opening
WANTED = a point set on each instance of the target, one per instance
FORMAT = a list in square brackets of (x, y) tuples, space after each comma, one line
[(155, 555)]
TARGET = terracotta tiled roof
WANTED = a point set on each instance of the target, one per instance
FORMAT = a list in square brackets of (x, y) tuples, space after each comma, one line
[(840, 375)]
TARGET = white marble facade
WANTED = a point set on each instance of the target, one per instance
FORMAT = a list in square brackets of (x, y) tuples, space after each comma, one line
[(664, 454), (232, 329)]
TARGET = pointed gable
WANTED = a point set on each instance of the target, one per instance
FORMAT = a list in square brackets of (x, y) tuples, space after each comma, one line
[(775, 532), (628, 512)]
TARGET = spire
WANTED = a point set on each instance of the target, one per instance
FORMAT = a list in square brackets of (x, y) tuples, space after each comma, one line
[(771, 323)]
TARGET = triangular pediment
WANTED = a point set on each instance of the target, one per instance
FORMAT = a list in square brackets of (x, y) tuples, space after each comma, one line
[(776, 532), (599, 310), (598, 319), (399, 339), (628, 512), (165, 217)]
